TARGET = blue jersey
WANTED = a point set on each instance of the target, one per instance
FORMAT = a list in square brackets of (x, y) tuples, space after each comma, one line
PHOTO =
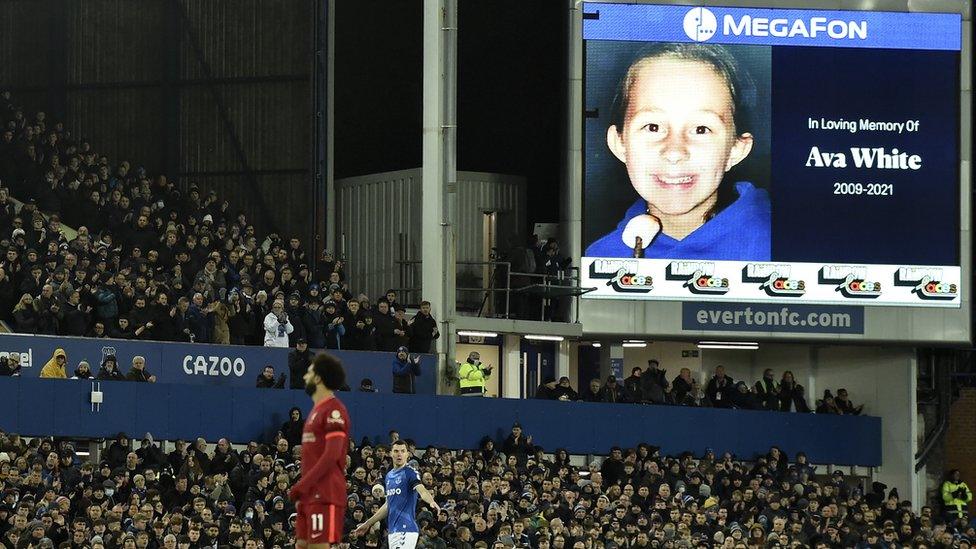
[(401, 500), (740, 232)]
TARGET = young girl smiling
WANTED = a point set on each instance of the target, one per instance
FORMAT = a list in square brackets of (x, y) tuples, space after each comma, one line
[(678, 124)]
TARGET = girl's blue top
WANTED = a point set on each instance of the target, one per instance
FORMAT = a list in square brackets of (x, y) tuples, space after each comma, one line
[(740, 232)]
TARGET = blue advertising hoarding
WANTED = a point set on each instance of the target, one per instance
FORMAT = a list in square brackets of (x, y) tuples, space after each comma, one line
[(172, 412), (203, 364)]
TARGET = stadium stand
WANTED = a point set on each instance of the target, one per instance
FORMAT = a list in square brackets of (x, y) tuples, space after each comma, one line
[(150, 262), (507, 493), (97, 248)]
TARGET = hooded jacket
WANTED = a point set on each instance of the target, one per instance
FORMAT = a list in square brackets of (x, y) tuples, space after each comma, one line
[(292, 430), (740, 232), (51, 370), (404, 372)]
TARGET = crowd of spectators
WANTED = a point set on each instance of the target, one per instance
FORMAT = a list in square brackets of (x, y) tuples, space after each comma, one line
[(651, 386), (152, 262), (506, 494)]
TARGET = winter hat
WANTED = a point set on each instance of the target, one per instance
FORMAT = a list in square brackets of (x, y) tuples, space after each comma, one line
[(705, 490), (402, 349)]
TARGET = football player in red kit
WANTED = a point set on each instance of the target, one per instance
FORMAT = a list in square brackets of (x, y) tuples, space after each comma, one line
[(320, 495)]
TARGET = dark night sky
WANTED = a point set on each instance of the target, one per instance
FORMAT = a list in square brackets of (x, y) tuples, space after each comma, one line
[(511, 97)]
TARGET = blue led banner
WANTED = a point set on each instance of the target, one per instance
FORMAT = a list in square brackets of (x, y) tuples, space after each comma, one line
[(777, 27)]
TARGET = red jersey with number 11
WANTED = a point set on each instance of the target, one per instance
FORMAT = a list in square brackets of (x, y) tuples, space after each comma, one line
[(329, 419)]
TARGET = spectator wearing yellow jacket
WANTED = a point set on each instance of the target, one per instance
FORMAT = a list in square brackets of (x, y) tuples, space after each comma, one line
[(473, 375), (55, 368), (956, 495)]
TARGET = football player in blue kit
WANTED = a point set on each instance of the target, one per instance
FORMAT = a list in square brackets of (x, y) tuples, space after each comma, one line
[(403, 487)]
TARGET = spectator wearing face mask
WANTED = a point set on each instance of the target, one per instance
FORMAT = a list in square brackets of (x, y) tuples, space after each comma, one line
[(473, 375)]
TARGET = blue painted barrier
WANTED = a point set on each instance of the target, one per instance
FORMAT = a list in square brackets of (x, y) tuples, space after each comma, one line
[(61, 408), (202, 364)]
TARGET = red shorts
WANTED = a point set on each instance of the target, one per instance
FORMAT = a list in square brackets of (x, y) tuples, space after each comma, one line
[(319, 522)]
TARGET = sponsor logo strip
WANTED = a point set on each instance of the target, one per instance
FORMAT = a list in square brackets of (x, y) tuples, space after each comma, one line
[(811, 283)]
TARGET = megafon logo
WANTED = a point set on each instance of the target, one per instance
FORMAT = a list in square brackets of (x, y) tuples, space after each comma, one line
[(774, 279), (850, 281), (698, 277), (700, 24), (926, 283), (778, 27), (621, 276)]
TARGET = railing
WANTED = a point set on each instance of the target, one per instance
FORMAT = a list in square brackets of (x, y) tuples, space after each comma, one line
[(494, 296)]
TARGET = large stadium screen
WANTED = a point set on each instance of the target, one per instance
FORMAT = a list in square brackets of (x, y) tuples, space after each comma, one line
[(747, 154)]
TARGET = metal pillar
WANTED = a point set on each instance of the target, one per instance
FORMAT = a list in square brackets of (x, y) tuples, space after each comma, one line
[(330, 206), (318, 188), (511, 386), (563, 351), (439, 171), (571, 223)]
